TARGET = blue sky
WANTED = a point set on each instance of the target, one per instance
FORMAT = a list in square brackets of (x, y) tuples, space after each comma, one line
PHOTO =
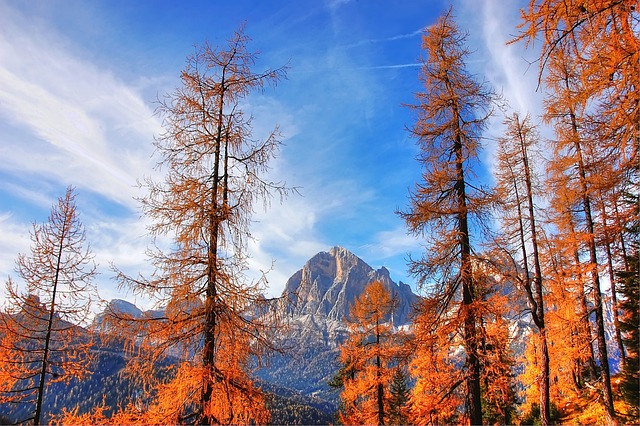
[(79, 80)]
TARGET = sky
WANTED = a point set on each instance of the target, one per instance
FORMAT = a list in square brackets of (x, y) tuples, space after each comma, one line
[(79, 84)]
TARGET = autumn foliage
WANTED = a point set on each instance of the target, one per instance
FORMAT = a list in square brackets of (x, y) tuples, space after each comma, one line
[(41, 341), (213, 322), (370, 357), (521, 283)]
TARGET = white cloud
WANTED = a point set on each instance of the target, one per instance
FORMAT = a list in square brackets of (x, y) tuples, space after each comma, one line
[(285, 237), (511, 68), (67, 119), (392, 243), (14, 239)]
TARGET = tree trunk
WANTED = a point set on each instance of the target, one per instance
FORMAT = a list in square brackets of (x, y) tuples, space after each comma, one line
[(595, 278), (380, 386), (209, 350), (612, 281), (52, 310), (468, 296), (545, 409)]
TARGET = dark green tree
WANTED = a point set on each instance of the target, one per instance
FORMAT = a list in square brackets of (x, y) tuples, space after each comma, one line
[(629, 280), (399, 399)]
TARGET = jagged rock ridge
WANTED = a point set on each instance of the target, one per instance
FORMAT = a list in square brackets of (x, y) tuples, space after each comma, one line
[(322, 292)]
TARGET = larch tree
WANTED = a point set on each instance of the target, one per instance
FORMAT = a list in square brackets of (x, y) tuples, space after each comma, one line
[(41, 338), (606, 32), (576, 163), (369, 353), (438, 394), (609, 233), (214, 319), (569, 319), (517, 187), (494, 310), (452, 113), (630, 323), (601, 41)]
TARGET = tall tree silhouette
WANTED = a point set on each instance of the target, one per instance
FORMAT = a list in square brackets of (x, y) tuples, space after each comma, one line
[(214, 318), (577, 164), (451, 115), (629, 279), (41, 341), (590, 58), (608, 55)]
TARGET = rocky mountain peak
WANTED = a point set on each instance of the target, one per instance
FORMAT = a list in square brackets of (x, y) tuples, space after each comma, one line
[(322, 292)]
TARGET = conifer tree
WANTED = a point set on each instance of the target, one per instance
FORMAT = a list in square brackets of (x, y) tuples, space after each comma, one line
[(450, 117), (368, 356), (569, 314), (629, 280), (517, 186), (599, 46), (399, 398), (214, 319), (576, 163), (494, 308), (41, 341), (605, 32)]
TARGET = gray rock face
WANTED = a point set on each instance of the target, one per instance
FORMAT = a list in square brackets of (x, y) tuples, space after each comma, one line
[(323, 291)]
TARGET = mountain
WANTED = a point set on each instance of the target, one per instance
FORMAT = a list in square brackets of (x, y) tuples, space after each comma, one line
[(319, 298), (321, 293)]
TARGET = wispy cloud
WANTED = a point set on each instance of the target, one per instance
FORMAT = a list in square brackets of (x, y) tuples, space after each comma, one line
[(14, 239), (67, 119), (506, 67)]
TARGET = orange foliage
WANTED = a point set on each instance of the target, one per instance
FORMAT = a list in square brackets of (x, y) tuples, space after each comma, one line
[(439, 392), (369, 354), (40, 341), (452, 113), (212, 320)]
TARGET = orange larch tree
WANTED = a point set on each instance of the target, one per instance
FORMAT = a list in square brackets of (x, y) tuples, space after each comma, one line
[(451, 116), (370, 353), (606, 32), (517, 189), (437, 344), (598, 44), (41, 338), (568, 312), (213, 320), (438, 394), (577, 164), (495, 309)]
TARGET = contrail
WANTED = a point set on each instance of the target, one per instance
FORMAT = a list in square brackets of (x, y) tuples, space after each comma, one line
[(383, 40), (384, 67)]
